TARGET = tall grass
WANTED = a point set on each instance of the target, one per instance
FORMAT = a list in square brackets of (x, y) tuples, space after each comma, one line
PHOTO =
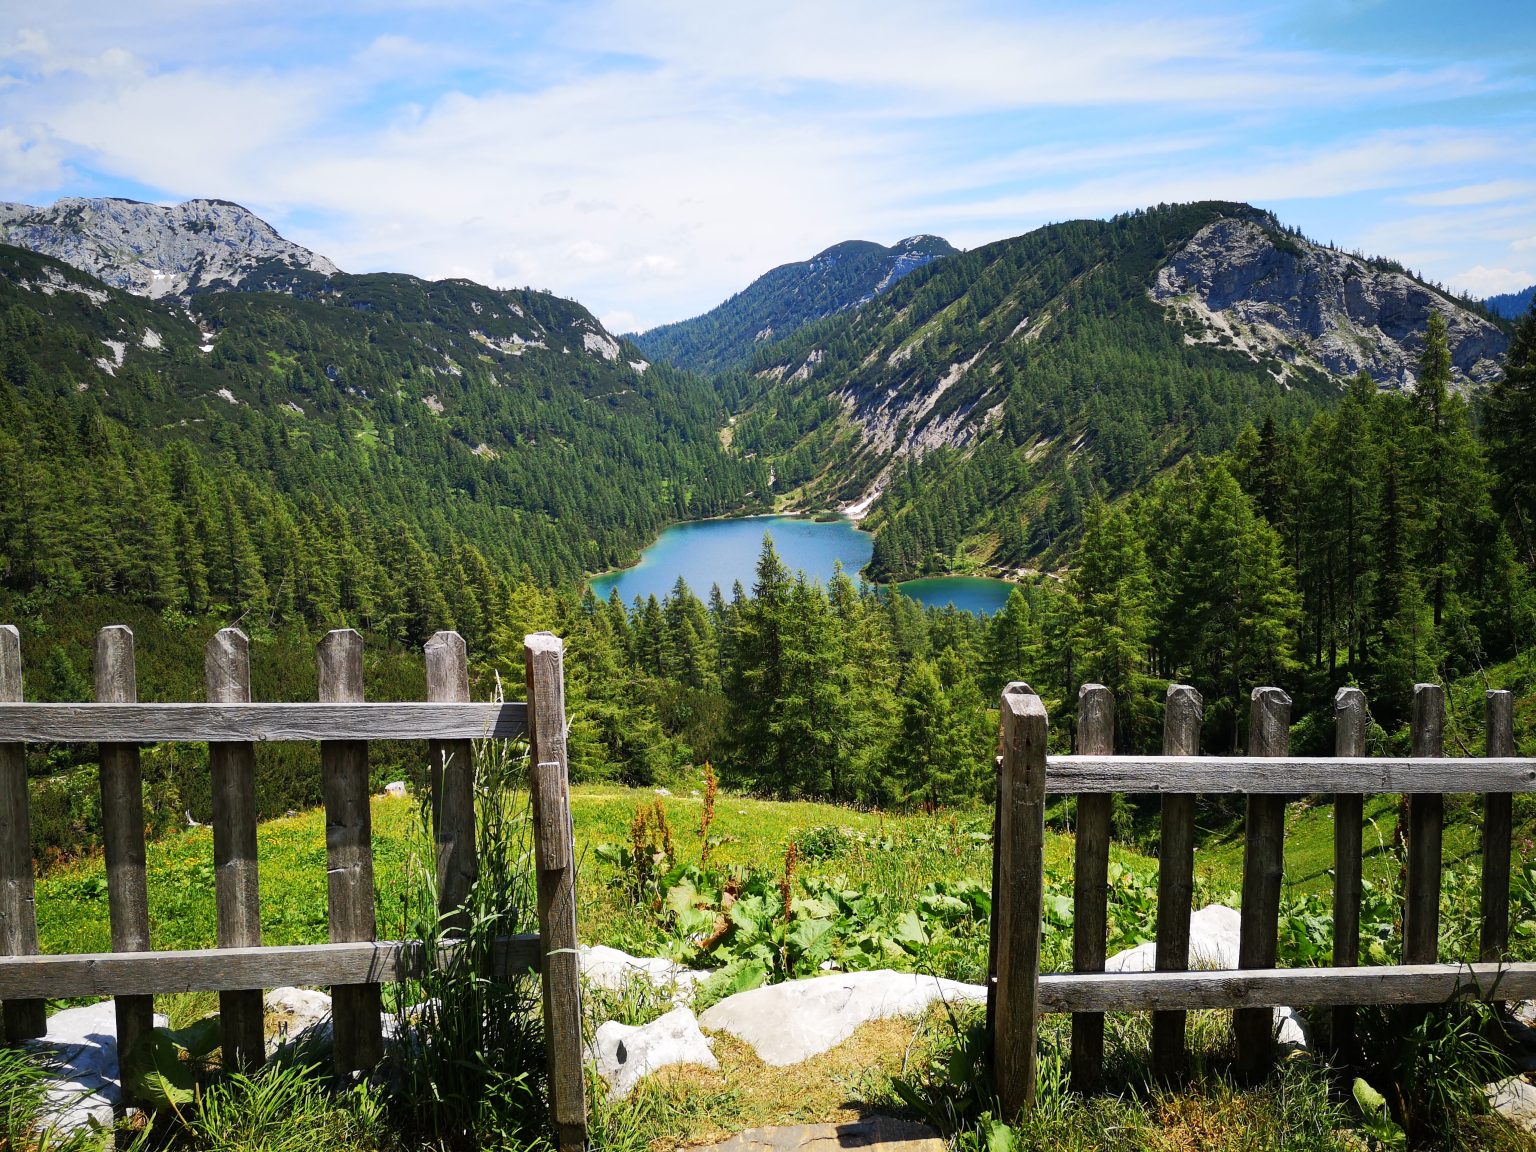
[(469, 1067)]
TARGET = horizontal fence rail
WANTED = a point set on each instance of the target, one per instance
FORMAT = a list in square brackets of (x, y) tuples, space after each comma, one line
[(231, 969), (1018, 992), (1268, 987), (1286, 775), (218, 723)]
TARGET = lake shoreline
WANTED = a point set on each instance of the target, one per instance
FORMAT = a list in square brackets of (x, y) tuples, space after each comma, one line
[(723, 550)]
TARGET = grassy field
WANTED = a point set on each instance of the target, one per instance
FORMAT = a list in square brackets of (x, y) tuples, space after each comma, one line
[(901, 860)]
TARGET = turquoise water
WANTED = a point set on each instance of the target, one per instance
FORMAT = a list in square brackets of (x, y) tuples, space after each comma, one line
[(721, 552), (968, 593)]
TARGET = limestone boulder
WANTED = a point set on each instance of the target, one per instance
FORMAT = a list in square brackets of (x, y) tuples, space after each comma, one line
[(80, 1049), (612, 969), (791, 1022), (625, 1054), (1214, 933), (1515, 1100)]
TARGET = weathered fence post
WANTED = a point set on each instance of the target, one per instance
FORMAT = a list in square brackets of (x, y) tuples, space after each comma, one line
[(1182, 717), (1499, 741), (24, 1019), (1351, 720), (554, 856), (122, 829), (453, 781), (1017, 899), (1090, 881), (357, 1027), (1421, 910), (237, 893), (1269, 734)]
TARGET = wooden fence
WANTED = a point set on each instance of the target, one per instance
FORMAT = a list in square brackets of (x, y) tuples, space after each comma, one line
[(355, 963), (1018, 992)]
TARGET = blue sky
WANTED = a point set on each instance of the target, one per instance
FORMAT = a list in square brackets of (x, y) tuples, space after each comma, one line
[(648, 159)]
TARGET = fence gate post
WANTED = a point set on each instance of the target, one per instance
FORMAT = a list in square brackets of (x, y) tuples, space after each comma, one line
[(1500, 741), (1182, 717), (237, 893), (1016, 902), (1090, 881), (1421, 911), (1269, 734), (452, 767), (24, 1019), (1351, 719), (355, 1008), (122, 827), (554, 855)]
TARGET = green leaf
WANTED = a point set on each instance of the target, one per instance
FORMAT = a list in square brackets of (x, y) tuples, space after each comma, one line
[(1370, 1100), (910, 932)]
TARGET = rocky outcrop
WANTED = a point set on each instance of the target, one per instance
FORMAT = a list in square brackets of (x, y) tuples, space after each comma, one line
[(626, 1054), (791, 1022), (1244, 283), (153, 250)]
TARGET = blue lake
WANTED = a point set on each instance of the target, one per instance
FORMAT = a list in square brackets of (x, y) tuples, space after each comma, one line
[(721, 552)]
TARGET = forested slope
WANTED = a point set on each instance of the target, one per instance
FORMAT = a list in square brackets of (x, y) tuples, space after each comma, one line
[(987, 396), (371, 450)]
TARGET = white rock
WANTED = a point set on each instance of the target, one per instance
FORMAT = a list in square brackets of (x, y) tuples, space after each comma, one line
[(1214, 934), (624, 1054), (397, 789), (663, 791), (612, 969), (788, 1023), (1513, 1099), (81, 1048), (297, 1013)]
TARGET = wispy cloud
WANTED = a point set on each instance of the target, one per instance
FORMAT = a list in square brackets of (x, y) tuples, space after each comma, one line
[(650, 158)]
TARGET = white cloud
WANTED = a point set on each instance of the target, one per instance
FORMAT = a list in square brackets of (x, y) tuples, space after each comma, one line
[(1488, 192), (651, 158), (1480, 281)]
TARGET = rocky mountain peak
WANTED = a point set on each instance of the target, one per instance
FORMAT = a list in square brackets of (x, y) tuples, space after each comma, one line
[(156, 250), (1243, 282)]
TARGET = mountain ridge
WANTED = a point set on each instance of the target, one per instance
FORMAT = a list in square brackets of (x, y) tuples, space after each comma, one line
[(1084, 356), (787, 297), (1512, 305), (158, 250)]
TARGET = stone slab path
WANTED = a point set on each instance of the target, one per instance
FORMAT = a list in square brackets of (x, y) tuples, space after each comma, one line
[(877, 1133)]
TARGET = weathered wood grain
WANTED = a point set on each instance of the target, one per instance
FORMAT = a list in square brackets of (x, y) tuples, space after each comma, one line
[(24, 1019), (1018, 897), (152, 723), (122, 828), (1351, 721), (1260, 989), (1090, 882), (225, 969), (1269, 734), (1183, 715), (452, 765), (1421, 905), (359, 1039), (544, 664), (1497, 820), (237, 893), (1296, 776)]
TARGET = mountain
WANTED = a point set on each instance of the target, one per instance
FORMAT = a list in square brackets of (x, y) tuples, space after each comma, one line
[(375, 450), (779, 302), (1511, 305), (987, 395), (156, 251)]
